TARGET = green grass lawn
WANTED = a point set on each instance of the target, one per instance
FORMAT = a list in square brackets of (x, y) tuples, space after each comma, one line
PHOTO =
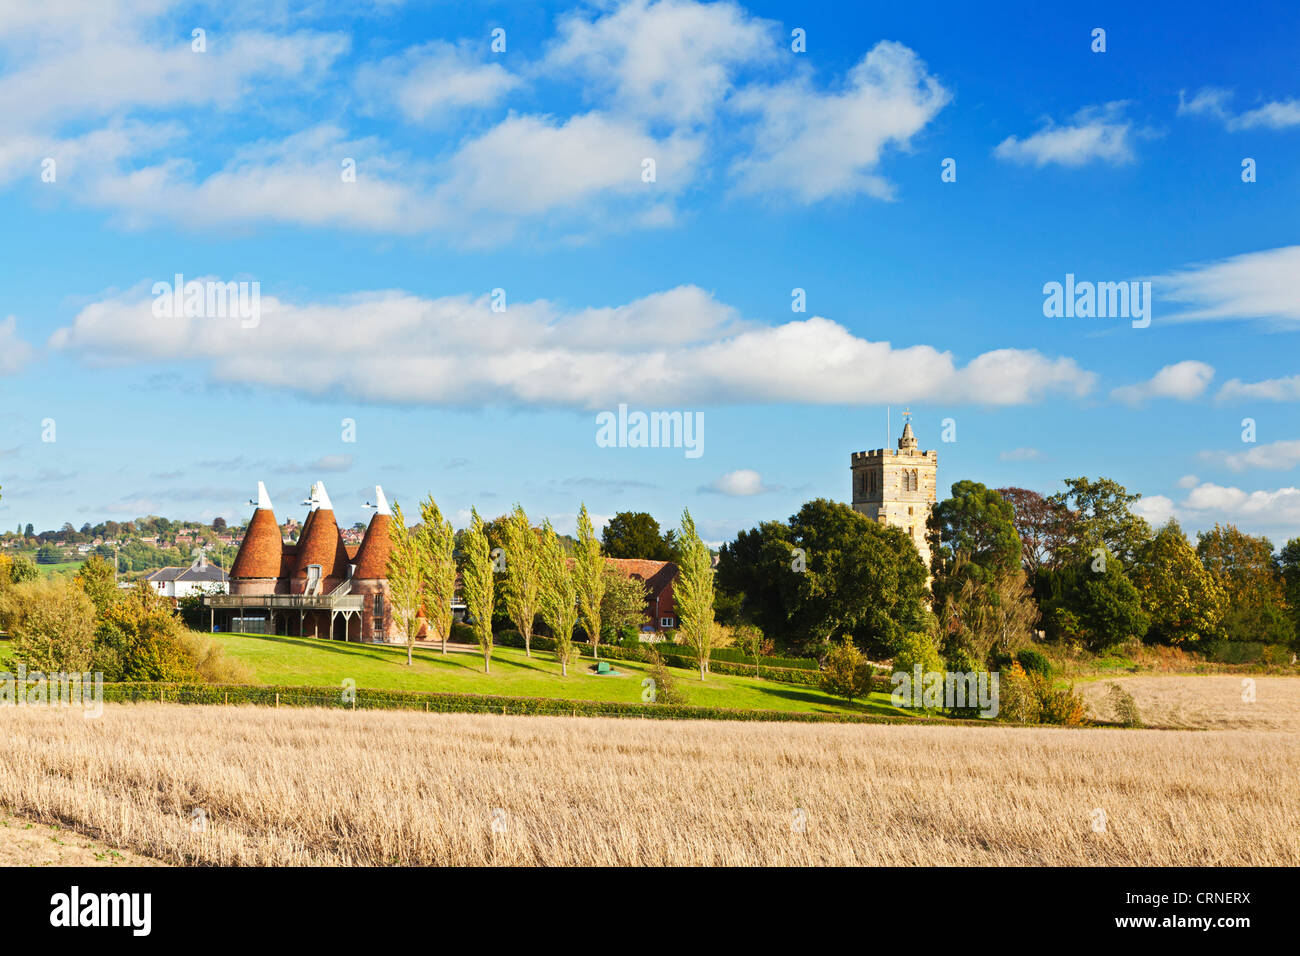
[(324, 663)]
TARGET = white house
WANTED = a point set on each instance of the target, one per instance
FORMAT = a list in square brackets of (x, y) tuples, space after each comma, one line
[(199, 578)]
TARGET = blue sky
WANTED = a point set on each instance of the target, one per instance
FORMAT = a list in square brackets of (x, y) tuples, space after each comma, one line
[(522, 170)]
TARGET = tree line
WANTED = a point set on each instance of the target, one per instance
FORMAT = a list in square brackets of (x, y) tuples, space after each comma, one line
[(511, 572)]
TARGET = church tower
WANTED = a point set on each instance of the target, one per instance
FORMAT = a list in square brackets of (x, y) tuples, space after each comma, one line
[(898, 487)]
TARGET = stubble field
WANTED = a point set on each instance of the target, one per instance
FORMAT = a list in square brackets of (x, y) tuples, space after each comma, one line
[(254, 786)]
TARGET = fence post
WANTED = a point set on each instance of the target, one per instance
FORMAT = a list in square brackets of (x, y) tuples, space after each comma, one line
[(227, 696), (277, 698)]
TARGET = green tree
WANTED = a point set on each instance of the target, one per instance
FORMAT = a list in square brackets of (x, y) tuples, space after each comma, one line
[(755, 575), (1093, 603), (635, 534), (846, 673), (830, 573), (1100, 516), (976, 529), (99, 582), (693, 593), (23, 569), (523, 574), (623, 606), (589, 576), (1183, 601), (478, 583), (405, 576), (753, 643), (557, 596), (437, 543), (1289, 562)]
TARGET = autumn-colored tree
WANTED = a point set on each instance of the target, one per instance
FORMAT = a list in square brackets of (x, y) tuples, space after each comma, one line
[(557, 595), (1043, 525), (479, 584), (1245, 567), (1182, 599)]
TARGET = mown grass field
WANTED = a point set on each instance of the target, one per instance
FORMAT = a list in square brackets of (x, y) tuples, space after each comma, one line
[(324, 663)]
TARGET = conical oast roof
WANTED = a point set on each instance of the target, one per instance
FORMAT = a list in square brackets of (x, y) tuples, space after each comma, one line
[(372, 558), (321, 542), (259, 552)]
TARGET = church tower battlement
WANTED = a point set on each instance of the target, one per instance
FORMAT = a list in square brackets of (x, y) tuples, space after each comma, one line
[(898, 487)]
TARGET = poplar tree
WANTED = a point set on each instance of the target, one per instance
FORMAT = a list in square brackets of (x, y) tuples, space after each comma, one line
[(522, 574), (589, 578), (478, 584), (693, 593), (557, 595), (404, 579), (437, 542)]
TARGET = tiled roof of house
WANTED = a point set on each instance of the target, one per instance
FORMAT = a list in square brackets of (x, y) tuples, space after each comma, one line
[(656, 574)]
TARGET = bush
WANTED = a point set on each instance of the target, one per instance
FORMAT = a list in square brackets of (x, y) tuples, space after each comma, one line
[(1017, 696), (664, 689), (1064, 707), (52, 624), (1034, 662), (1124, 706), (462, 633), (846, 673), (211, 661)]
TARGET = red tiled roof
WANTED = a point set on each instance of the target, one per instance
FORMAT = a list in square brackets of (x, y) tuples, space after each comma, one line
[(259, 552)]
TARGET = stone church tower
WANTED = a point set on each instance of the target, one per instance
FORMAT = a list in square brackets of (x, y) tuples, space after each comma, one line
[(898, 487)]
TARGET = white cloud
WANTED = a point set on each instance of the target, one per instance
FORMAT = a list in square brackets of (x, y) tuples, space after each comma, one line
[(14, 352), (672, 60), (394, 347), (1020, 454), (1213, 101), (1276, 456), (1270, 389), (297, 179), (1188, 481), (431, 81), (1280, 506), (577, 170), (1095, 133), (1156, 509), (1182, 380), (1253, 285), (741, 483), (813, 145)]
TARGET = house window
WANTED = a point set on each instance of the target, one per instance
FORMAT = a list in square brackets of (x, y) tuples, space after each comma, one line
[(665, 622), (378, 614)]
